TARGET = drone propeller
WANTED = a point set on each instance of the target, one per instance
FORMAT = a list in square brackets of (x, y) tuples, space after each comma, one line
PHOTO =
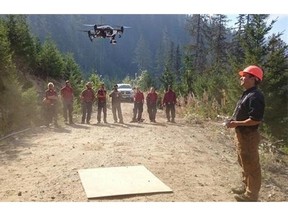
[(88, 24), (125, 27), (93, 25)]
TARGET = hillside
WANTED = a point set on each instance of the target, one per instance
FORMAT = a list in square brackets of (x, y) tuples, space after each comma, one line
[(197, 161), (154, 32)]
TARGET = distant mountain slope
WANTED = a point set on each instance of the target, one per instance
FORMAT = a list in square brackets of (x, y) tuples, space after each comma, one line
[(115, 61)]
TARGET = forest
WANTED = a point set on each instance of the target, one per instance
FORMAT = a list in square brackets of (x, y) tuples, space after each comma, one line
[(141, 47), (197, 54)]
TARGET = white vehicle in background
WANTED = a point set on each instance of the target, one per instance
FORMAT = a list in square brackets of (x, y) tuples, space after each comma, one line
[(126, 91)]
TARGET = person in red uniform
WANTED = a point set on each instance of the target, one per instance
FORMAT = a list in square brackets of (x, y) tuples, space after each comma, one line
[(138, 106), (101, 101), (246, 119), (169, 101), (51, 101), (87, 98), (67, 100), (151, 101)]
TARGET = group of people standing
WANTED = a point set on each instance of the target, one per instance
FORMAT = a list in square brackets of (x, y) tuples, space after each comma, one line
[(88, 96), (51, 103), (169, 102), (247, 117)]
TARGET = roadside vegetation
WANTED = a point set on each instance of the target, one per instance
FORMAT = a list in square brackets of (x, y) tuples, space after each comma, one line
[(204, 75)]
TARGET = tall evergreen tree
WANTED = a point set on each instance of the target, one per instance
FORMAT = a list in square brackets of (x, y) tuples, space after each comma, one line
[(254, 40), (5, 55), (50, 61), (218, 44), (198, 27), (275, 87), (22, 42), (167, 78), (143, 55), (236, 52)]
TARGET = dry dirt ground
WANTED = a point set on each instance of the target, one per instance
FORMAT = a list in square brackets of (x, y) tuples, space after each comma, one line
[(197, 161)]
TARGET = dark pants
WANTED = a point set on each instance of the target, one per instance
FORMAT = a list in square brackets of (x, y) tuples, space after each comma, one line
[(86, 111), (117, 108), (152, 110), (51, 114), (248, 159), (68, 107), (137, 111), (170, 108), (102, 107)]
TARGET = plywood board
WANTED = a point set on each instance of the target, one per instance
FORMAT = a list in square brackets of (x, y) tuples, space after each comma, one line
[(115, 181)]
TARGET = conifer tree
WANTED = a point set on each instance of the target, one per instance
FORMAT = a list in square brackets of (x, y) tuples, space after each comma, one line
[(275, 88), (21, 40), (50, 61)]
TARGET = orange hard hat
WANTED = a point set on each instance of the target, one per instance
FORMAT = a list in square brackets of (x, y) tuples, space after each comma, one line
[(253, 70)]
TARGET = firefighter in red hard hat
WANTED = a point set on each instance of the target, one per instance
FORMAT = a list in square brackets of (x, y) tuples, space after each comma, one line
[(254, 71), (246, 119)]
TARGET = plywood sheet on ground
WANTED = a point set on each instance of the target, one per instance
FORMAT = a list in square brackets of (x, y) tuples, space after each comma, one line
[(115, 181)]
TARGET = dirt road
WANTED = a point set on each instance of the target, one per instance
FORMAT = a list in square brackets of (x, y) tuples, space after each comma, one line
[(197, 161)]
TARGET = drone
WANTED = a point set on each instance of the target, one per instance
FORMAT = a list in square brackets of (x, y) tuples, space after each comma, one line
[(105, 31)]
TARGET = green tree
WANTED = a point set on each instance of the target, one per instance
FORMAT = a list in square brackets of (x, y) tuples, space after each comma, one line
[(143, 56), (50, 61), (5, 55), (275, 88), (167, 78), (254, 39), (236, 51), (189, 76), (217, 41), (145, 81), (198, 27), (22, 42), (95, 79)]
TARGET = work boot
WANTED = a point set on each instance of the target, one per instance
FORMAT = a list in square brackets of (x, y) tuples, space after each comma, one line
[(244, 198), (238, 190)]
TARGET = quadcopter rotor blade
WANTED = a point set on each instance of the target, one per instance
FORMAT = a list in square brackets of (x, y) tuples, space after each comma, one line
[(89, 25)]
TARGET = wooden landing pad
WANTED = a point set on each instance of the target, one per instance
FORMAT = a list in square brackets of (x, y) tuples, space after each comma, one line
[(116, 181)]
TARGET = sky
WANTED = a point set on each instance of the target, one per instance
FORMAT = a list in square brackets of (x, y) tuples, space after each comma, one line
[(280, 26)]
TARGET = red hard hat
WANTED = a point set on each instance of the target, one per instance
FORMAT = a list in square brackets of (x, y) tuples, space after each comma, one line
[(254, 70)]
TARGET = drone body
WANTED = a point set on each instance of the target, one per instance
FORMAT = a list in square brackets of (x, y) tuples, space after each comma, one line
[(105, 31)]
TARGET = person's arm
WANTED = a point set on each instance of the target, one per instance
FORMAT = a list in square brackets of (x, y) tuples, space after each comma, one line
[(247, 122), (164, 100), (148, 98), (143, 98), (110, 95), (82, 96)]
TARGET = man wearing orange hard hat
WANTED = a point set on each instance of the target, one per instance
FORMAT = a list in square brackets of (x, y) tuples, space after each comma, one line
[(246, 119)]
